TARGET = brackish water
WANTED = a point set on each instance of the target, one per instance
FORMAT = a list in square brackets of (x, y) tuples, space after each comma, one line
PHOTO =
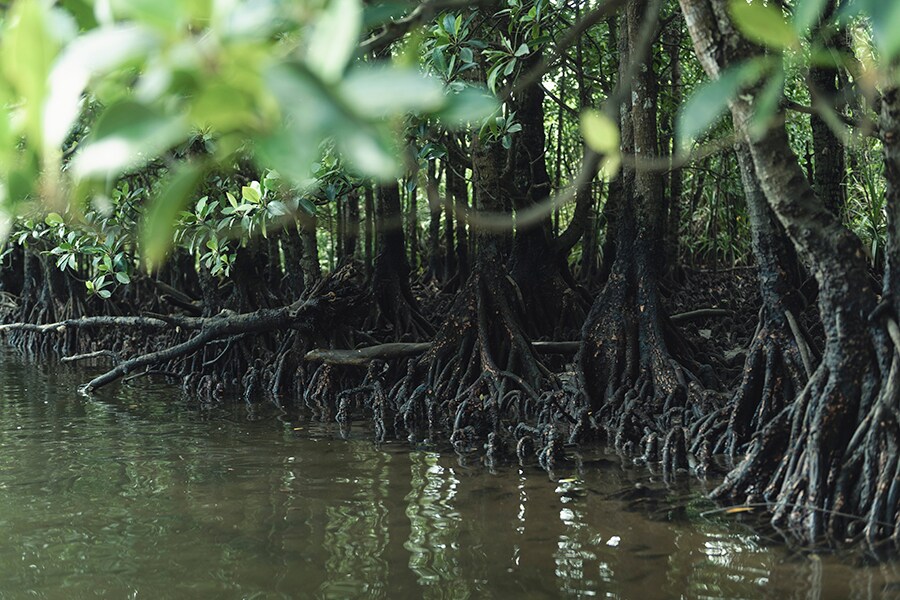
[(139, 493)]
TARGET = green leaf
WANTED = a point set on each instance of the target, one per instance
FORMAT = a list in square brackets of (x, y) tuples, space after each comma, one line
[(165, 15), (334, 39), (123, 278), (522, 51), (159, 222), (310, 116), (307, 205), (127, 136), (600, 133), (807, 14), (711, 99), (53, 219), (251, 194), (763, 24)]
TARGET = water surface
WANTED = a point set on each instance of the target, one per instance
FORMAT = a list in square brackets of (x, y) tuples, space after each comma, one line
[(139, 493)]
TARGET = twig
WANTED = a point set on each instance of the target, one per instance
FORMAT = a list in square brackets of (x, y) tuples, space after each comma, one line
[(700, 313)]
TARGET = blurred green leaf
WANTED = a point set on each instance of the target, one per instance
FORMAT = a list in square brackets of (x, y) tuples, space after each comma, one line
[(763, 24), (711, 99), (601, 134), (885, 18), (765, 105), (92, 54), (380, 92), (471, 105), (28, 51), (335, 38), (372, 152), (128, 135), (807, 14), (159, 223)]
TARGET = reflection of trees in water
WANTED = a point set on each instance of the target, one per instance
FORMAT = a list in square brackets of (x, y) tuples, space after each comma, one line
[(574, 559), (357, 529), (434, 539)]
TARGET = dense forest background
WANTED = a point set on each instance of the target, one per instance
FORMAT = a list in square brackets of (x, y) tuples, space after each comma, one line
[(513, 226)]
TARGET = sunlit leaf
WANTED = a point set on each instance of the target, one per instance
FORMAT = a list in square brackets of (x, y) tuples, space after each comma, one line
[(53, 219), (600, 132), (159, 223), (251, 194), (763, 24), (127, 136)]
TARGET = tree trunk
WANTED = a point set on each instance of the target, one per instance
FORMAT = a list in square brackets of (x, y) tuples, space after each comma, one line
[(816, 463), (396, 309), (538, 263), (636, 391), (828, 149)]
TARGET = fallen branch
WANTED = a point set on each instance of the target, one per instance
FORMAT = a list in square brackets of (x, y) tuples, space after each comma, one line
[(87, 323), (363, 356), (98, 354), (211, 329)]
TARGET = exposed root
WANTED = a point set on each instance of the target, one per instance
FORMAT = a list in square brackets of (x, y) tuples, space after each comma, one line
[(774, 374), (827, 465), (480, 370), (636, 390)]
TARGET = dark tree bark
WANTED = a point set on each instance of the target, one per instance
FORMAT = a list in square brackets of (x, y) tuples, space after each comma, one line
[(351, 226), (480, 367), (676, 175), (450, 258), (779, 361), (828, 149), (436, 260), (538, 264), (396, 308), (369, 239), (456, 187)]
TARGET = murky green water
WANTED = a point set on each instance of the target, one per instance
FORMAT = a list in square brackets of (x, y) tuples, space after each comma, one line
[(139, 494)]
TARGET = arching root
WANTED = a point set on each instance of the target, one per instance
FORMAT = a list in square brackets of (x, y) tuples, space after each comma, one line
[(774, 374)]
